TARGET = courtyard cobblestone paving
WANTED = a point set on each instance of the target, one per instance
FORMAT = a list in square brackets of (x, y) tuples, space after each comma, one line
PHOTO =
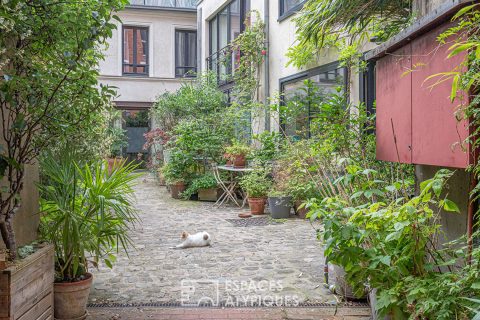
[(286, 254)]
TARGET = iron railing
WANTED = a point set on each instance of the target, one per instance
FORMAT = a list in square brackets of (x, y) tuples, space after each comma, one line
[(223, 63), (179, 4)]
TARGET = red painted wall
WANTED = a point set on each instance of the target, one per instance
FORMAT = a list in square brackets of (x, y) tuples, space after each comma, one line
[(424, 119), (394, 106)]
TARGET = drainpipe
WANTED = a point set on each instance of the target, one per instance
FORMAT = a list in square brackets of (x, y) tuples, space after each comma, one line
[(266, 19), (472, 207)]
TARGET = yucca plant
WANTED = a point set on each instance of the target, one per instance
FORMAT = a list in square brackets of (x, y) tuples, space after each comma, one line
[(86, 211)]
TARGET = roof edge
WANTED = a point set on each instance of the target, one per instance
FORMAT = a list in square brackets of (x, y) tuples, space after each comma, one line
[(418, 28)]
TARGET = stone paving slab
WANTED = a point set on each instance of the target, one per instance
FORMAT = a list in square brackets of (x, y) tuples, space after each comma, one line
[(239, 314), (277, 262)]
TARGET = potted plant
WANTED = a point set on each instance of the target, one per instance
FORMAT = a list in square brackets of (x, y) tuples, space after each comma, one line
[(119, 141), (238, 154), (301, 189), (256, 184), (86, 213), (280, 204), (176, 172), (161, 176), (206, 186), (279, 201), (174, 180)]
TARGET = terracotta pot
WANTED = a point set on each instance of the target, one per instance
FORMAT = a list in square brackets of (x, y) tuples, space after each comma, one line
[(239, 161), (257, 205), (228, 159), (301, 212), (113, 163), (177, 189), (70, 299)]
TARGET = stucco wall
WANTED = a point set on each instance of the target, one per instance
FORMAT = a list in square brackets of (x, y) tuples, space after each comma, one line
[(422, 7), (161, 49)]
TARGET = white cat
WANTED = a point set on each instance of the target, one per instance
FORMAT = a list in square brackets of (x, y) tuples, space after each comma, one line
[(200, 239)]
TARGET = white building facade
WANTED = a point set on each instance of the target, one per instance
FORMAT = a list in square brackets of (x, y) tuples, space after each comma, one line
[(220, 21), (153, 50)]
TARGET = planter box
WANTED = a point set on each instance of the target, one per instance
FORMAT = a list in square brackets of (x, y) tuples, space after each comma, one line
[(26, 288), (208, 194)]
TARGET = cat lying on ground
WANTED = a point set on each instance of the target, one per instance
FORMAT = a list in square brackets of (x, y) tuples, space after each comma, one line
[(199, 239)]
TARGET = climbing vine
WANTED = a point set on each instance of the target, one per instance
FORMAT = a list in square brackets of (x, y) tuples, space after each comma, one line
[(249, 51)]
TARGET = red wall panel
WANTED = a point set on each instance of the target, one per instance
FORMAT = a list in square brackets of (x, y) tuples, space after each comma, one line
[(436, 133), (394, 105)]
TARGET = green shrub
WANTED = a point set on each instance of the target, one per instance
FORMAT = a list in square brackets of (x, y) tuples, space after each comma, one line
[(206, 181), (256, 184), (86, 212)]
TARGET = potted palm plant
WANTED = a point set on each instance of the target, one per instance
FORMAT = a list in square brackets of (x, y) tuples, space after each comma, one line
[(256, 184), (86, 214)]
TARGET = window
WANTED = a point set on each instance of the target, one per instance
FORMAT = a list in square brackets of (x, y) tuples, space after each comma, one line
[(288, 7), (303, 95), (185, 4), (135, 50), (185, 53), (367, 87), (368, 92), (225, 27)]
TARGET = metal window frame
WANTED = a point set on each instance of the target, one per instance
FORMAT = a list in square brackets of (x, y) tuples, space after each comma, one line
[(305, 75), (177, 65), (175, 7), (282, 14), (244, 6), (367, 83), (134, 47)]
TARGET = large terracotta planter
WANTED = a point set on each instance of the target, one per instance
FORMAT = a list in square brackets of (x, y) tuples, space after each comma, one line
[(239, 161), (177, 189), (257, 205), (26, 287), (71, 299)]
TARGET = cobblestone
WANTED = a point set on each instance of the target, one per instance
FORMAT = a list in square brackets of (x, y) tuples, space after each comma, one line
[(287, 253), (239, 314)]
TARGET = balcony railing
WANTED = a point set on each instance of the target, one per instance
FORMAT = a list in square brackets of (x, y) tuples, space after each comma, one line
[(178, 4), (223, 63)]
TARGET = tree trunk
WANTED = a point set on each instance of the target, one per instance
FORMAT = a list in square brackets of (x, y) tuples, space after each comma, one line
[(10, 241)]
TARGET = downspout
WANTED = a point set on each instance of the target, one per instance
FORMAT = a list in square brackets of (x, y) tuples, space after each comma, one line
[(473, 203), (472, 207), (266, 19)]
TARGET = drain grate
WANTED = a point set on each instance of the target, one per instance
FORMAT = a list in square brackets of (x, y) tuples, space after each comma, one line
[(253, 222), (223, 305)]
